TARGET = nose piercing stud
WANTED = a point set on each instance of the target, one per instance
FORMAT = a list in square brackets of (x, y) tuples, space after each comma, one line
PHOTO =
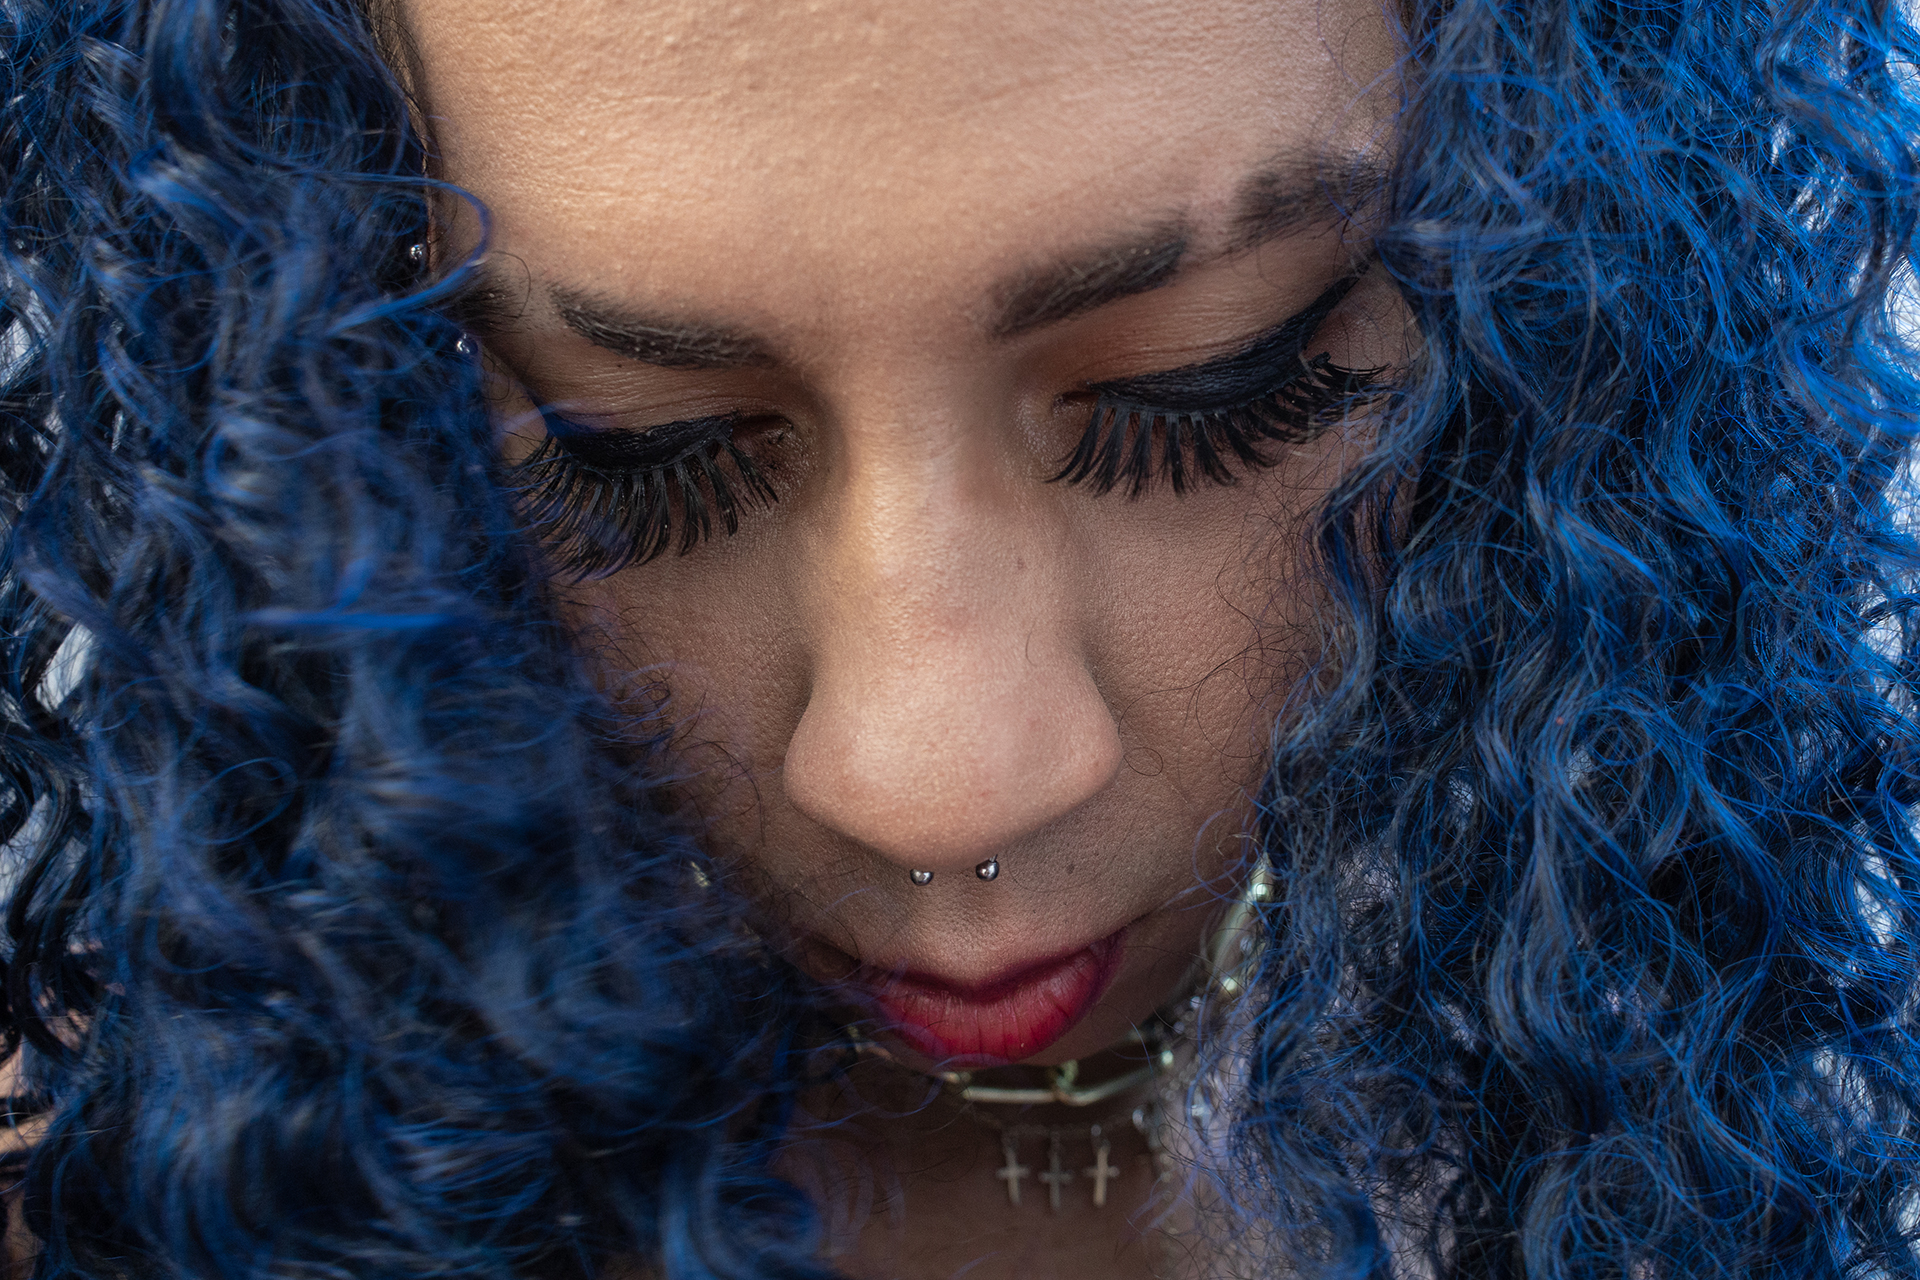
[(988, 870)]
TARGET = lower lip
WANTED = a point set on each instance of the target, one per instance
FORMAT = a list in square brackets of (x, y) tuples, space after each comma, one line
[(1011, 1020)]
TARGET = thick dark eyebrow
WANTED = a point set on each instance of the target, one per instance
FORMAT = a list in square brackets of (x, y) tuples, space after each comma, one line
[(1087, 281), (493, 301), (669, 342), (1279, 199), (1286, 196), (1297, 192)]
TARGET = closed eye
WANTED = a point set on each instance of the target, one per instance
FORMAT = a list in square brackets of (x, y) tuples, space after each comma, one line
[(1210, 422), (609, 498)]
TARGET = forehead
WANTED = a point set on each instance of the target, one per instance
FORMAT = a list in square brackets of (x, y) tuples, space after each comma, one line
[(929, 141)]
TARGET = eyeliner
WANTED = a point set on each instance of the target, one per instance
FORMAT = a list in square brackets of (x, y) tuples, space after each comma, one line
[(631, 450), (1231, 380)]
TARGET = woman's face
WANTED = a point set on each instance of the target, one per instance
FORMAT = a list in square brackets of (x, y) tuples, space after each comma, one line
[(903, 241)]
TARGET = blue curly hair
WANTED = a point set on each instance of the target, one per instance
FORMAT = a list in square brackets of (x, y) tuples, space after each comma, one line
[(1594, 951)]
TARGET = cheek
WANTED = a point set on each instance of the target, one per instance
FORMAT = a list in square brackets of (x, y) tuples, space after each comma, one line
[(715, 632), (1203, 624)]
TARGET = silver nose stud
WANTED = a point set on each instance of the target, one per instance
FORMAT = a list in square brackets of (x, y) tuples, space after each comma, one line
[(988, 870)]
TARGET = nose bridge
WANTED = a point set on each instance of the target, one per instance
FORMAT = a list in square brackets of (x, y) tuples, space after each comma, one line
[(952, 710)]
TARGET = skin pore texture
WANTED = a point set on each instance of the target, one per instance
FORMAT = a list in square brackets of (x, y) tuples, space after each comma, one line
[(905, 239)]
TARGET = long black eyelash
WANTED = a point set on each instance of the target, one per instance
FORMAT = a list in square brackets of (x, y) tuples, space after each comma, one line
[(621, 503), (1131, 443), (610, 499)]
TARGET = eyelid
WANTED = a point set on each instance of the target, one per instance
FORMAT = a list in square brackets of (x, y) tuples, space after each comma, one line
[(1223, 382), (1228, 380), (628, 449)]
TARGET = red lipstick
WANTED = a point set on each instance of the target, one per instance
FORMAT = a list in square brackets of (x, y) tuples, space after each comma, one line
[(1006, 1020)]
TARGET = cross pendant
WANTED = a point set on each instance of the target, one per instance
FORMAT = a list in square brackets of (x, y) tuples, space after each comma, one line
[(1055, 1177), (1012, 1172), (1103, 1170)]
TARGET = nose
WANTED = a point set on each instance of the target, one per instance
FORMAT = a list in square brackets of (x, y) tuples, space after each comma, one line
[(952, 709)]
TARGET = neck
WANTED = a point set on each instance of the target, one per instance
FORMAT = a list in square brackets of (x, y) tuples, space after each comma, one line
[(921, 1182)]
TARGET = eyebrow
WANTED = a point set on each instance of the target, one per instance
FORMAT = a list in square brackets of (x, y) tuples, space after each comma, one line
[(669, 343), (494, 301), (1087, 281), (1284, 197)]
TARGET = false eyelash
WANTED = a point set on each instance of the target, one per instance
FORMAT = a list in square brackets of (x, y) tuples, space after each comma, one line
[(608, 500), (1132, 443)]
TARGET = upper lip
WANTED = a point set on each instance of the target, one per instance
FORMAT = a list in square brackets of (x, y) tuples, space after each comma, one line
[(993, 985), (867, 971)]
